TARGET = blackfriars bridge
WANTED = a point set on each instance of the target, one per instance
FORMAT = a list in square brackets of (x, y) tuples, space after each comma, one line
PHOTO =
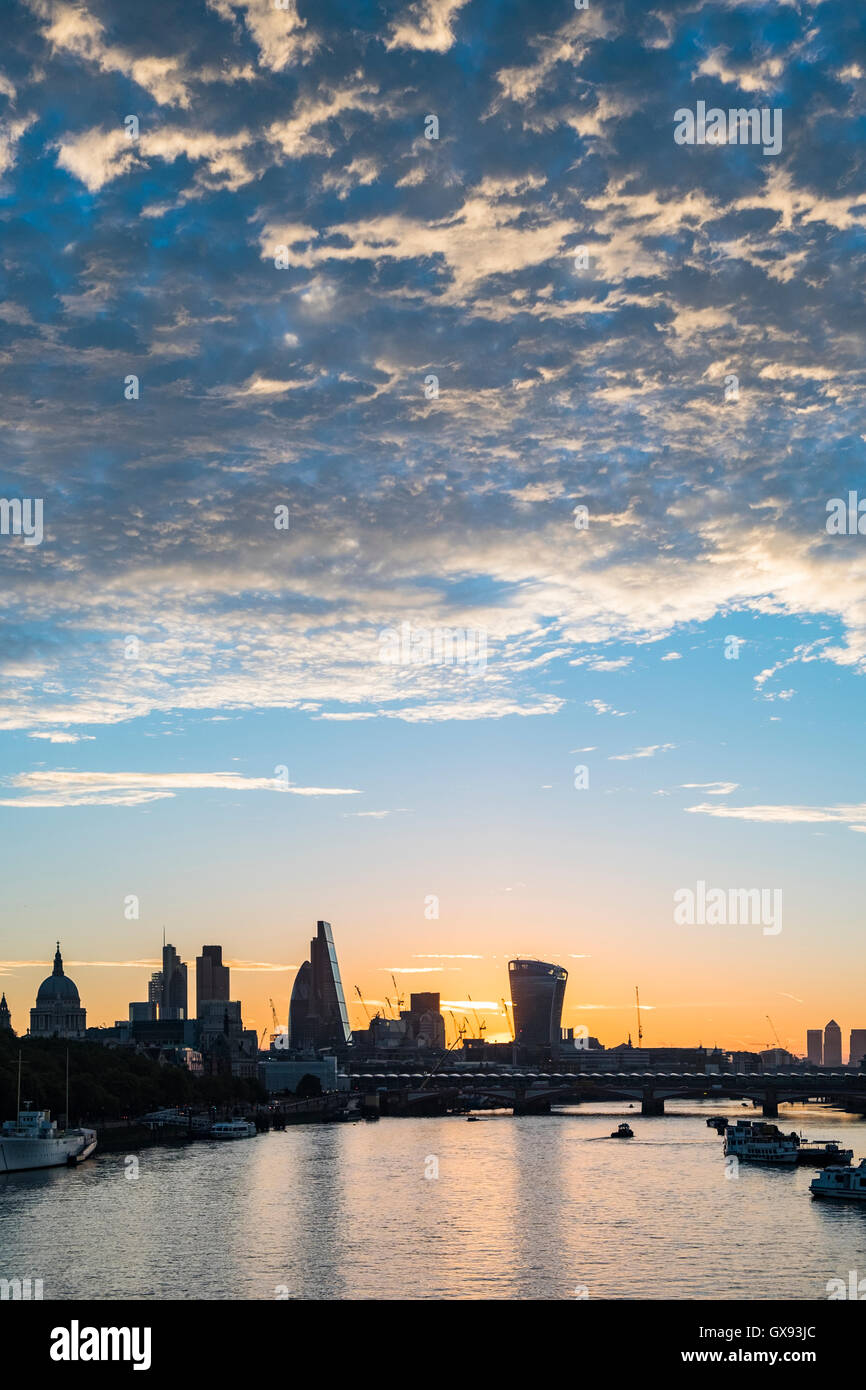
[(528, 1090)]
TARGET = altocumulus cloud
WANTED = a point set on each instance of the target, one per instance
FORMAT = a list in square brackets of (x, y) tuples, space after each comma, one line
[(600, 382)]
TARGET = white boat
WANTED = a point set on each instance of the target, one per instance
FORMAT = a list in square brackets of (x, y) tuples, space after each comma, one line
[(34, 1141), (847, 1183), (233, 1129), (758, 1142)]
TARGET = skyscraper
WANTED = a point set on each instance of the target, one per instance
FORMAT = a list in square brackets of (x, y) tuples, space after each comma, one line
[(815, 1046), (537, 992), (211, 976), (174, 1002), (317, 1013), (857, 1047), (154, 988), (832, 1044)]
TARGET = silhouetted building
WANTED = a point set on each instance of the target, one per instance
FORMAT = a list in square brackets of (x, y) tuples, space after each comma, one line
[(425, 1024), (142, 1012), (815, 1046), (832, 1044), (857, 1047), (537, 992), (317, 1012), (5, 1016), (174, 1001), (211, 976), (227, 1047), (154, 988), (58, 1012)]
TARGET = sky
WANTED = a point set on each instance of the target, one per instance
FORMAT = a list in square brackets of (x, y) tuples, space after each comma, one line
[(328, 328)]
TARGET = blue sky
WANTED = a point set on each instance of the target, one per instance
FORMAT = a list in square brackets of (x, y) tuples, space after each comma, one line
[(166, 649)]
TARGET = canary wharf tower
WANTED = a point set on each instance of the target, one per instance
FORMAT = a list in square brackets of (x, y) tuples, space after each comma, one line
[(318, 1017)]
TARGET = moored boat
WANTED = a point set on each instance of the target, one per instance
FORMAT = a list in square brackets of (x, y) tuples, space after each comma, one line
[(623, 1131), (823, 1153), (233, 1129), (34, 1141), (842, 1183), (759, 1142)]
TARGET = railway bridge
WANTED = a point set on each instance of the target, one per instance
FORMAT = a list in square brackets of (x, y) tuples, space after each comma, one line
[(533, 1091)]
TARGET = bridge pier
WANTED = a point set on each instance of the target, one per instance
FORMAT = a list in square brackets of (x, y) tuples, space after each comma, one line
[(770, 1106), (534, 1104), (652, 1104)]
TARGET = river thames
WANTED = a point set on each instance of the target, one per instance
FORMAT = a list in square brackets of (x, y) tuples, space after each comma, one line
[(542, 1207)]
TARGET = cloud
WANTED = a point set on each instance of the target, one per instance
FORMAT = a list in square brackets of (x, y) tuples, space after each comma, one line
[(853, 816), (427, 26), (43, 789), (280, 35), (55, 736), (648, 752), (712, 788)]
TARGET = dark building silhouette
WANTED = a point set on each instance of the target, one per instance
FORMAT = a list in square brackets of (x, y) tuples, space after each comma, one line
[(5, 1016), (174, 1001), (832, 1044), (317, 1012), (211, 976), (426, 1024), (815, 1046), (537, 992), (856, 1047), (58, 1012)]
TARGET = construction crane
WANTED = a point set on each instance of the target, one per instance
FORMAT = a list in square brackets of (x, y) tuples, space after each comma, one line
[(459, 1029), (398, 996), (481, 1026), (639, 1028), (507, 1019), (775, 1034), (363, 1004)]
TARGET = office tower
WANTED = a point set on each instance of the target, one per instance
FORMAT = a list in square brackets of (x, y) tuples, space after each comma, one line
[(857, 1047), (154, 988), (317, 1013), (174, 989), (537, 992), (832, 1044), (300, 1036), (211, 976), (815, 1046), (426, 1024), (142, 1012)]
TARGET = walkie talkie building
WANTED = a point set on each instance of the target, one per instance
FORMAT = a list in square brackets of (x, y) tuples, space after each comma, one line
[(537, 992)]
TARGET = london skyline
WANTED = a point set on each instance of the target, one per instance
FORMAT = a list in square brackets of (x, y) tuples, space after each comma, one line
[(316, 331)]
